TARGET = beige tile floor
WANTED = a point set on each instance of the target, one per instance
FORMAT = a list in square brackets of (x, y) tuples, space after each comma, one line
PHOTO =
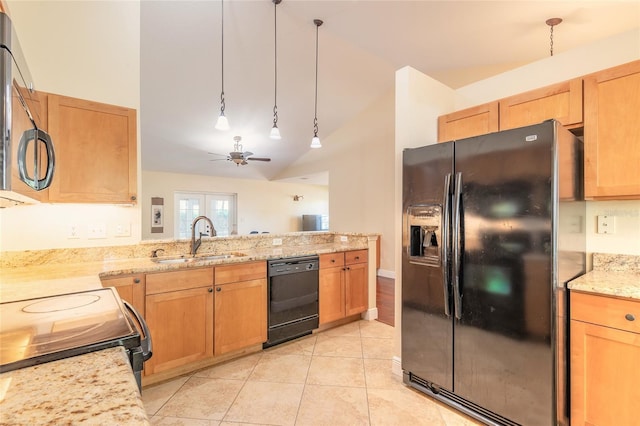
[(338, 377)]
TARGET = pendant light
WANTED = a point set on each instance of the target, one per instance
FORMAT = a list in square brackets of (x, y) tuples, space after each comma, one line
[(552, 22), (315, 141), (275, 132), (222, 123)]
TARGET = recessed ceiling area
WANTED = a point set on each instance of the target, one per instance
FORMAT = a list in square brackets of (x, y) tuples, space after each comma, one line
[(361, 45)]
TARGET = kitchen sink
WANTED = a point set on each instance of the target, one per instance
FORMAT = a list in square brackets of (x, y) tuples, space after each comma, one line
[(198, 258)]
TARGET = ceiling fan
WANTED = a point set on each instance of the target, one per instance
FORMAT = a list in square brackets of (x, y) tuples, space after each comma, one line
[(238, 156)]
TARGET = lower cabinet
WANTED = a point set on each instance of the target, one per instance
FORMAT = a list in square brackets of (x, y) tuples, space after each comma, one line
[(343, 285), (179, 313), (130, 288), (240, 306), (605, 360)]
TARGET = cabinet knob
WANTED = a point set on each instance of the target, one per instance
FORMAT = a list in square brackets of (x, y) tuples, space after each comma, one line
[(357, 257), (218, 288), (630, 317), (333, 261), (136, 280), (133, 198), (210, 290)]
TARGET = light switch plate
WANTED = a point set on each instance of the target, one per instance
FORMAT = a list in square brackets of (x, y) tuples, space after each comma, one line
[(606, 224)]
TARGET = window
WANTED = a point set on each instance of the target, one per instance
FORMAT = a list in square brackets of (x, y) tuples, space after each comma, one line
[(219, 207)]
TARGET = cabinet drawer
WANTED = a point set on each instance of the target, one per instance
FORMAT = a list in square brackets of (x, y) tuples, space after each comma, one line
[(240, 272), (331, 260), (121, 281), (355, 256), (163, 282), (606, 311)]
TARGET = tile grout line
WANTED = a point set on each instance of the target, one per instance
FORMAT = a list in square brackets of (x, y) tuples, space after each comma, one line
[(241, 388)]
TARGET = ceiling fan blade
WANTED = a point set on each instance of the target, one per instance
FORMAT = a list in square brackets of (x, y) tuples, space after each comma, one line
[(259, 159), (247, 154)]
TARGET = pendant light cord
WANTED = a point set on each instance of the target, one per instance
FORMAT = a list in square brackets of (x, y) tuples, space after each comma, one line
[(275, 62), (222, 56), (315, 117)]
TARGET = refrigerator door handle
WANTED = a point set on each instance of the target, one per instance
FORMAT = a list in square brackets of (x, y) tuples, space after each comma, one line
[(457, 237), (446, 224)]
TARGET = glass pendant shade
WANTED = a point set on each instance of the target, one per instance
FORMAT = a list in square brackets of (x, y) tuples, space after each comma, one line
[(315, 142), (222, 123), (275, 132)]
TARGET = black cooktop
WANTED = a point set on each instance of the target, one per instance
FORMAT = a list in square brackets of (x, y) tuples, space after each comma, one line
[(45, 329)]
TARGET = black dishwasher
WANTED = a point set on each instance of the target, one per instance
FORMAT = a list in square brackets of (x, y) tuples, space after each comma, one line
[(292, 298)]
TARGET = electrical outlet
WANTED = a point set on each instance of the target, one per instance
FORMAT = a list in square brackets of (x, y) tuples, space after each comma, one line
[(72, 231), (123, 230), (606, 224), (277, 241), (344, 239), (97, 230)]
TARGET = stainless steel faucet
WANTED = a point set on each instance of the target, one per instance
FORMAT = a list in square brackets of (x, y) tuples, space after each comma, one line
[(195, 244)]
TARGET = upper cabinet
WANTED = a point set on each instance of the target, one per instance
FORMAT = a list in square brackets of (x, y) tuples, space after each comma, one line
[(612, 133), (96, 151), (562, 101), (469, 122)]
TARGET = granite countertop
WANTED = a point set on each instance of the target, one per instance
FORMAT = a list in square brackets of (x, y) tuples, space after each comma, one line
[(612, 275), (94, 389), (99, 387), (47, 279)]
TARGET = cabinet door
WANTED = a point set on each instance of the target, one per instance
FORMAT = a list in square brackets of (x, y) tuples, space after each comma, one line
[(562, 101), (604, 375), (130, 288), (332, 294), (356, 288), (240, 315), (96, 149), (612, 133), (478, 120), (181, 325)]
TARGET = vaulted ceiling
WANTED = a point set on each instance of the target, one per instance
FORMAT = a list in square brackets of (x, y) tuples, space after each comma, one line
[(361, 45)]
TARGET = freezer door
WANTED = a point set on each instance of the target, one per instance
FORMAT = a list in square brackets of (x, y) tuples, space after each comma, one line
[(427, 324), (503, 354)]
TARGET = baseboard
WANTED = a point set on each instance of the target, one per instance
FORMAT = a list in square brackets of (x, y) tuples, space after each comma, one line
[(396, 366), (370, 314), (386, 274)]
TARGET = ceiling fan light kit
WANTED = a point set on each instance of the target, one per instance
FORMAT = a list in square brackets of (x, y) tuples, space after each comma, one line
[(315, 141), (239, 157)]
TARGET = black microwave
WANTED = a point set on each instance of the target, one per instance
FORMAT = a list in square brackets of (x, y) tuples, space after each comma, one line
[(27, 154)]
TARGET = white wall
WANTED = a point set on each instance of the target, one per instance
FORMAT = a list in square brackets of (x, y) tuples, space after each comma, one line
[(360, 161), (262, 205)]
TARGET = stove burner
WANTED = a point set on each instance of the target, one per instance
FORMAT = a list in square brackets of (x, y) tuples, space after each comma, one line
[(61, 303)]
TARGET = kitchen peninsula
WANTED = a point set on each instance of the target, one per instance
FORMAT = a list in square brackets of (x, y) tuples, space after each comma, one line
[(48, 272)]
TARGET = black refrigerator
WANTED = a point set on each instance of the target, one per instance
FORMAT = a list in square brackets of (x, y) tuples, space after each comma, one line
[(493, 229)]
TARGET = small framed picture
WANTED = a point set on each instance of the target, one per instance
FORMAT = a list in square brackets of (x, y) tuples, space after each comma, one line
[(157, 215)]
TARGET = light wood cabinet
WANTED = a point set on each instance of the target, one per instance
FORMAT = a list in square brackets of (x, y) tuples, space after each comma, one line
[(605, 354), (612, 133), (474, 121), (561, 101), (130, 288), (240, 299), (96, 151), (179, 313), (343, 281)]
